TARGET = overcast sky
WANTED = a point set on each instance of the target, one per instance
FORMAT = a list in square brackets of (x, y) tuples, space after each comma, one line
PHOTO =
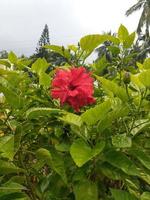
[(22, 21)]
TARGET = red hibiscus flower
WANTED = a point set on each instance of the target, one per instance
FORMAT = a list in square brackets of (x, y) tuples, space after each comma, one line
[(74, 87)]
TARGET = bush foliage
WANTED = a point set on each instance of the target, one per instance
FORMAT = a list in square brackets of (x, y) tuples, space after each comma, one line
[(49, 152)]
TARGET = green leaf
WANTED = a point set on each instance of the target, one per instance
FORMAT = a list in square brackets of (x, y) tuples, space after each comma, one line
[(128, 42), (45, 183), (139, 65), (112, 88), (44, 79), (39, 66), (144, 78), (112, 39), (111, 172), (145, 196), (142, 157), (119, 110), (12, 98), (89, 42), (11, 186), (139, 126), (5, 62), (13, 196), (54, 160), (122, 195), (63, 147), (71, 119), (17, 138), (135, 80), (86, 190), (122, 33), (146, 64), (82, 152), (114, 50), (12, 57), (121, 141), (35, 113), (60, 50), (8, 72), (45, 155), (73, 48), (93, 115), (100, 64), (7, 146), (8, 168), (121, 161), (58, 165)]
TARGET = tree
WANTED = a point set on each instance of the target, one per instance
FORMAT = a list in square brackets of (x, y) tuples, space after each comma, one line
[(145, 16), (44, 39), (3, 54), (51, 56)]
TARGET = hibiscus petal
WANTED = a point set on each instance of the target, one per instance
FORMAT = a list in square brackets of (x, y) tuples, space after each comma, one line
[(74, 87)]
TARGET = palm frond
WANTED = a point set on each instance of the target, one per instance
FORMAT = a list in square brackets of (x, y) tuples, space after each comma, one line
[(144, 19), (135, 7)]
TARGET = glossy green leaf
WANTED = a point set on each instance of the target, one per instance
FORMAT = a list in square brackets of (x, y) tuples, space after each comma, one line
[(13, 196), (110, 171), (45, 155), (11, 186), (114, 50), (145, 196), (86, 190), (45, 183), (82, 152), (63, 147), (39, 66), (35, 113), (112, 88), (73, 48), (112, 38), (71, 119), (89, 42), (59, 49), (12, 98), (5, 62), (135, 80), (8, 168), (93, 115), (122, 195), (128, 42), (144, 78), (146, 64), (121, 141), (100, 64), (142, 156), (7, 146), (122, 33), (139, 126), (58, 165), (119, 110), (54, 160), (44, 79), (121, 161), (12, 57)]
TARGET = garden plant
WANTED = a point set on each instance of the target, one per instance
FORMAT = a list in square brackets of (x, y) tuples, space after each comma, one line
[(80, 131)]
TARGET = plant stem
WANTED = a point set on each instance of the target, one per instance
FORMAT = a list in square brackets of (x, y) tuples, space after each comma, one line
[(32, 194)]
